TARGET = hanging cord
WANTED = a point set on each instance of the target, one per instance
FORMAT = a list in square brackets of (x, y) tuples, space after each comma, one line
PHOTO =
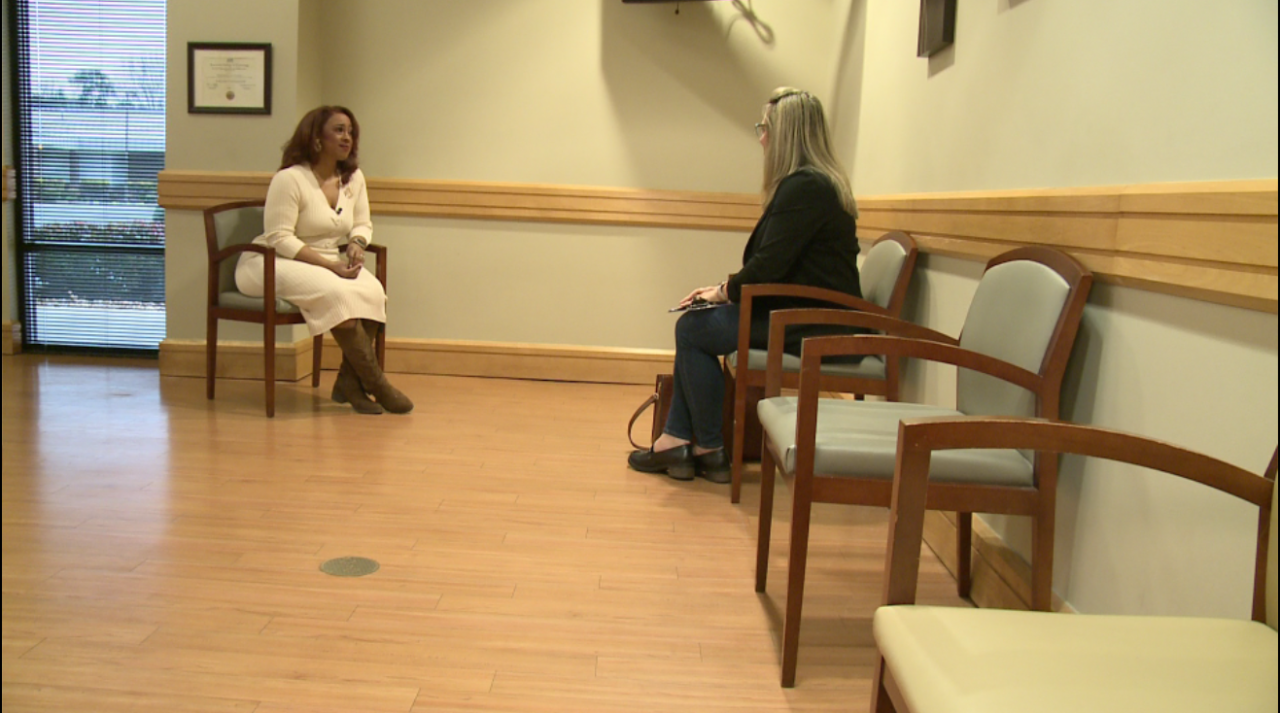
[(762, 29)]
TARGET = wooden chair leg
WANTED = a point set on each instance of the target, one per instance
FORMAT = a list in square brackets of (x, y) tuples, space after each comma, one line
[(766, 519), (880, 700), (726, 408), (1042, 562), (739, 436), (801, 509), (964, 554), (210, 355), (269, 375), (317, 350)]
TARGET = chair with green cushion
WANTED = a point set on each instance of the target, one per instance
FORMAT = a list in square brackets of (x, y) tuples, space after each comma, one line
[(229, 230), (1012, 355), (885, 274), (954, 660)]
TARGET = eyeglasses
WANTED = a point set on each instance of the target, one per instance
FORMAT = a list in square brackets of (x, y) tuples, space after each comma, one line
[(761, 130)]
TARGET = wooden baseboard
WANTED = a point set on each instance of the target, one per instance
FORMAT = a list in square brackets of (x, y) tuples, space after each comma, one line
[(12, 338), (243, 360), (1001, 577), (549, 362), (236, 360)]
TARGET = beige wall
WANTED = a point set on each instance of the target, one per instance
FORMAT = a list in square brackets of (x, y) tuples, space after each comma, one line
[(213, 142), (539, 91), (574, 93), (1051, 94)]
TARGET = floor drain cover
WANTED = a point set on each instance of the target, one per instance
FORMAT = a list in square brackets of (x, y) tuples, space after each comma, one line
[(349, 566)]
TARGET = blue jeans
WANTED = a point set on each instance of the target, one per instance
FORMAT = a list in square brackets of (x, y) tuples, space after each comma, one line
[(697, 403)]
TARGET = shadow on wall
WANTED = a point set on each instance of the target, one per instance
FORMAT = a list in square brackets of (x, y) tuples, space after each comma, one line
[(845, 108), (1079, 396), (645, 48)]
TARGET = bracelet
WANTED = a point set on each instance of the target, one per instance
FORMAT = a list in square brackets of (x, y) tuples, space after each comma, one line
[(362, 243)]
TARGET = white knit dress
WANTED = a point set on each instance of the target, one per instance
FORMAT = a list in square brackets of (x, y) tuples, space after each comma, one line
[(298, 215)]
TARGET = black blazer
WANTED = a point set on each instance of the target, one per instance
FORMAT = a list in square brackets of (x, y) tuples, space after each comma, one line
[(805, 237)]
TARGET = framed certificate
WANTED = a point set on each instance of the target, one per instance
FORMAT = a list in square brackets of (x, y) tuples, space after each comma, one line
[(228, 78)]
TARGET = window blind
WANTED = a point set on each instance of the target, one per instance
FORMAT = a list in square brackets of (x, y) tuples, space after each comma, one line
[(90, 126)]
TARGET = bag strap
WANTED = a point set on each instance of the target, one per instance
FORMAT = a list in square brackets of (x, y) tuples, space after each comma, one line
[(653, 399)]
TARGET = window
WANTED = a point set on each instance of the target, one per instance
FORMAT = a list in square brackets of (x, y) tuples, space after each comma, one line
[(90, 128)]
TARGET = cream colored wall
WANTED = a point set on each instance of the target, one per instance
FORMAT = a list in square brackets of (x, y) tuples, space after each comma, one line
[(572, 93), (310, 59), (1050, 94), (214, 142), (539, 91)]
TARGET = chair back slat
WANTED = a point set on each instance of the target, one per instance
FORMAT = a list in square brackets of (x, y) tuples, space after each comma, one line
[(1014, 315), (880, 270), (228, 225)]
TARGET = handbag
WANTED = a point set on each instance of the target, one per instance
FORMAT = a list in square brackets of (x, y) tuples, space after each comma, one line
[(660, 400)]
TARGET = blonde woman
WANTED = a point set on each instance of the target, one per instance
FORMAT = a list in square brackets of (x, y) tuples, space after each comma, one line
[(806, 236)]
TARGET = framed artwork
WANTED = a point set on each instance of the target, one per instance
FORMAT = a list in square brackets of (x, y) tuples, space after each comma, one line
[(937, 26), (228, 78)]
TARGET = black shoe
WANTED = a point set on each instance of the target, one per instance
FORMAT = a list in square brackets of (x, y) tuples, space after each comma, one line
[(676, 462), (714, 466)]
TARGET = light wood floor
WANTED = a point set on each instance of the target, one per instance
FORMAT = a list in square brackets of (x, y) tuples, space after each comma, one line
[(161, 553)]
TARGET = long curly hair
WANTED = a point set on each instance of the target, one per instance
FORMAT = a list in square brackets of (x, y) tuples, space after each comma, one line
[(798, 139), (301, 148)]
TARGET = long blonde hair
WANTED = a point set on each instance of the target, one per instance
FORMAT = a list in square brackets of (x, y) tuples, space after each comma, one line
[(798, 139)]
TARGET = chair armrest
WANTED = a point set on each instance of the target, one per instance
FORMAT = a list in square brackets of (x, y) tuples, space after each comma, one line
[(815, 348), (783, 318), (918, 438), (231, 250), (380, 271), (778, 289), (216, 260)]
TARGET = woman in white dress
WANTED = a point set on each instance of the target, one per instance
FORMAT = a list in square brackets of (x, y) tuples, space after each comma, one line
[(317, 219)]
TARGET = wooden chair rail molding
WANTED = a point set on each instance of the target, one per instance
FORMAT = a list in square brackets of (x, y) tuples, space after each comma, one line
[(1210, 241), (494, 201), (1213, 241)]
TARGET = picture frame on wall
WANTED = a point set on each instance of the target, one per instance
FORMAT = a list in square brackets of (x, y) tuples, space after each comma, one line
[(937, 27), (228, 78)]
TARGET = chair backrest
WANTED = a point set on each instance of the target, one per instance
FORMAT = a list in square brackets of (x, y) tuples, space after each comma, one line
[(1026, 311), (919, 438), (231, 224), (887, 269)]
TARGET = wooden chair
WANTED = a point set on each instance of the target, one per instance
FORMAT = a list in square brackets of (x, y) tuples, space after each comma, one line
[(947, 660), (229, 230), (1012, 356), (885, 274)]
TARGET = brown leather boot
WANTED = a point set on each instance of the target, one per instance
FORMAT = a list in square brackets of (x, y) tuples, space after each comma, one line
[(357, 347), (347, 389), (372, 329)]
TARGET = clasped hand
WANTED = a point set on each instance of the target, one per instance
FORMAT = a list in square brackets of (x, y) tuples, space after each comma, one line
[(350, 267)]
